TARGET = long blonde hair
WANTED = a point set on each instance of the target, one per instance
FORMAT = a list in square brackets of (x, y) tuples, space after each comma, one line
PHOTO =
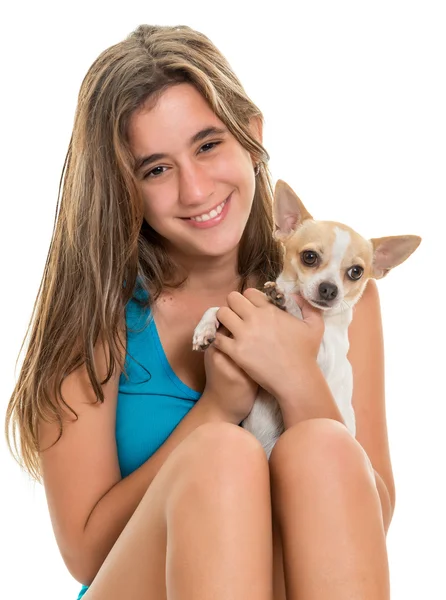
[(100, 239)]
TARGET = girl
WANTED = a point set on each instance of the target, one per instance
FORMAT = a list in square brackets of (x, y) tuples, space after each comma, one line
[(154, 490)]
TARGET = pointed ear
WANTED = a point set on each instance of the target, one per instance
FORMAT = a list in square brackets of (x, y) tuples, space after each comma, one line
[(289, 211), (391, 251)]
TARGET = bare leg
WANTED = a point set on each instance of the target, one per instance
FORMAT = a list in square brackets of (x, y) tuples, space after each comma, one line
[(329, 513), (203, 529), (219, 527)]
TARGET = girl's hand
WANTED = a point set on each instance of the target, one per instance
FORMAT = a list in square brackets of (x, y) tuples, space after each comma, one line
[(229, 390), (271, 345)]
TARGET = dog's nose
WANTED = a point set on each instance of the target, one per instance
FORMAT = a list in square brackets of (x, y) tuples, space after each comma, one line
[(328, 291)]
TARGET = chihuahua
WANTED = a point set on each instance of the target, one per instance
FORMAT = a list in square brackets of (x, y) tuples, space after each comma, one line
[(329, 264)]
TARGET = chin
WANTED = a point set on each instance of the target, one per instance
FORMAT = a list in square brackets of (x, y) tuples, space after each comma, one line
[(222, 249), (221, 245)]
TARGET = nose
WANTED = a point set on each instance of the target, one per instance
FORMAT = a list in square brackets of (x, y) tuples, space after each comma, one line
[(195, 184), (328, 291)]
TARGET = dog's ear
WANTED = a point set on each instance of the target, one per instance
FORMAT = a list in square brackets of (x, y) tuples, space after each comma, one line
[(391, 251), (289, 211)]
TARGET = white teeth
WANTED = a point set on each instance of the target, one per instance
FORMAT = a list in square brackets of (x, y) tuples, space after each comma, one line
[(214, 212)]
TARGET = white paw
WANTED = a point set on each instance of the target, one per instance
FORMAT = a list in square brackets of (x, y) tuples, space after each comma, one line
[(204, 333)]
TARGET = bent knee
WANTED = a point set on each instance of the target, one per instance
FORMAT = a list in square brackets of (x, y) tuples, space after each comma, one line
[(225, 439), (320, 448), (220, 456)]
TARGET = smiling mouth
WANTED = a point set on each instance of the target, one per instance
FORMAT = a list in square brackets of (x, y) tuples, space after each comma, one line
[(199, 218)]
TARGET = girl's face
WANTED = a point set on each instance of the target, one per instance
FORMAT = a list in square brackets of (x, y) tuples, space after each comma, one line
[(188, 164)]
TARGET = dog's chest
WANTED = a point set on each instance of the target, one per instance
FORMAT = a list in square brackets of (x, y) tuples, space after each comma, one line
[(332, 357), (265, 420)]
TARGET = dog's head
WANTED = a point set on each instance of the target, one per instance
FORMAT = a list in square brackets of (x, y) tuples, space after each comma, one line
[(327, 262)]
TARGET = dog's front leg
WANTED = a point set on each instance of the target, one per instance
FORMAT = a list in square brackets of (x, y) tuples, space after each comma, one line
[(281, 298), (204, 332), (275, 294)]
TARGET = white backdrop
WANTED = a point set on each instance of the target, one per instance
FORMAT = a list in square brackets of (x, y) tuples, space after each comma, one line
[(354, 100)]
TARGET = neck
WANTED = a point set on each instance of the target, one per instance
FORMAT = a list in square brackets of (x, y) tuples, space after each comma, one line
[(341, 318), (209, 276)]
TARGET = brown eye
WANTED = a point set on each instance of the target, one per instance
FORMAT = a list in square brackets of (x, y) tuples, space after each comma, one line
[(355, 272), (309, 258)]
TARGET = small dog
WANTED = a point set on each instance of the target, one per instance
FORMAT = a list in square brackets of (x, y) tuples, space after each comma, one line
[(329, 264)]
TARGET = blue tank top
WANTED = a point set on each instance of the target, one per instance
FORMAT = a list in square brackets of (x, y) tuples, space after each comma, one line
[(153, 400)]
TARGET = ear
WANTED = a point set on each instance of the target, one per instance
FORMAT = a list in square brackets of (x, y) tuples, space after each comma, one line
[(289, 211), (391, 251), (256, 127)]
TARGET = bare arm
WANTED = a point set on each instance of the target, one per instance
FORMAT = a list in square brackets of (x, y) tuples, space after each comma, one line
[(318, 402), (89, 502), (366, 355), (367, 358)]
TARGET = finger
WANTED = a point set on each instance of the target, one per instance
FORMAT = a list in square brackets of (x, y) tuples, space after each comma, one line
[(224, 331), (256, 297), (229, 319), (240, 305), (309, 312), (300, 300), (224, 344)]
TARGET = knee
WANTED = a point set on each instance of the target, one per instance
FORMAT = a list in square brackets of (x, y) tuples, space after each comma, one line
[(319, 450), (221, 457), (227, 443)]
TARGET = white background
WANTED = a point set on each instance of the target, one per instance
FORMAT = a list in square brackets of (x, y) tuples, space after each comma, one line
[(353, 95)]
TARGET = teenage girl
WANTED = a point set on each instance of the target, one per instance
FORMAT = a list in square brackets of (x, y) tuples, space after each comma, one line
[(153, 488)]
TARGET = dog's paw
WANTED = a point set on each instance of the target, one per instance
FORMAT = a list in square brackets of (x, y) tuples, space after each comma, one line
[(204, 333), (274, 294)]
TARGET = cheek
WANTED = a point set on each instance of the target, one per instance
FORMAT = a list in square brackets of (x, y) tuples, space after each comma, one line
[(149, 213), (303, 273), (156, 201), (352, 289), (153, 212), (304, 276), (235, 171), (237, 163)]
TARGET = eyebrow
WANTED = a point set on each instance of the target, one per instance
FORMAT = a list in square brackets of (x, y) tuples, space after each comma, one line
[(142, 161)]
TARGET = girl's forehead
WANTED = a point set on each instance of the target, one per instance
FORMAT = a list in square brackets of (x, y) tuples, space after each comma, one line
[(179, 113)]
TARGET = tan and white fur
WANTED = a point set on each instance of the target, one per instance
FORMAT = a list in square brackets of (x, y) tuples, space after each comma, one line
[(329, 264)]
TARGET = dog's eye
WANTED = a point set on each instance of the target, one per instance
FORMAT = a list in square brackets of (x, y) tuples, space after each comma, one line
[(355, 272), (309, 258)]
